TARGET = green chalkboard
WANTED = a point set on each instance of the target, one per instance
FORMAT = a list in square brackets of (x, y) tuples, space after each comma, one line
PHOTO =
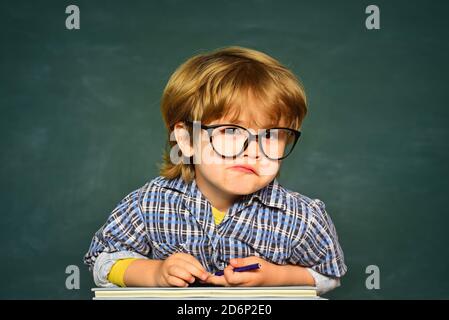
[(80, 127)]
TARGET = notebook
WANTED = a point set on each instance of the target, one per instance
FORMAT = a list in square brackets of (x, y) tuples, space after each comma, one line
[(230, 293)]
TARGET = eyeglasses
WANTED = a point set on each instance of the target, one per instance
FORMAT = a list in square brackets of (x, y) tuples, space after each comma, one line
[(230, 140)]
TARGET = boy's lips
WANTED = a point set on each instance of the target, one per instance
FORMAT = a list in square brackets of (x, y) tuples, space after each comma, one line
[(244, 168)]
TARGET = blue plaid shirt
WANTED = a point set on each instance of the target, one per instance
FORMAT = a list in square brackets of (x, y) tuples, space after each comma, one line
[(168, 216)]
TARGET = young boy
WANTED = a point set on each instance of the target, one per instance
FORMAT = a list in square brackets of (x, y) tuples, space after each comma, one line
[(232, 115)]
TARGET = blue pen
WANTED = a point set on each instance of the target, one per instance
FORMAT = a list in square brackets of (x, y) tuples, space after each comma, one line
[(240, 269)]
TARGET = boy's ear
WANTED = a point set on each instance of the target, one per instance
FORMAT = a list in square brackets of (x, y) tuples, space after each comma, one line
[(182, 137)]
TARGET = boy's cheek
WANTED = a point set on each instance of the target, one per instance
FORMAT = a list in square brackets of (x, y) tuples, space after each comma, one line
[(268, 168), (205, 154)]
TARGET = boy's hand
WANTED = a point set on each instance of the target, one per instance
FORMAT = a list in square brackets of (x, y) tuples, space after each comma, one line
[(179, 270), (259, 277)]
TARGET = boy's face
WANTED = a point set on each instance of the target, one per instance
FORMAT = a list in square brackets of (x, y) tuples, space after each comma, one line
[(247, 173), (250, 171)]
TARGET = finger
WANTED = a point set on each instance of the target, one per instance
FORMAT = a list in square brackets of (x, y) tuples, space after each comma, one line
[(176, 282), (217, 280), (189, 258), (181, 272), (191, 264), (195, 271), (231, 277), (240, 262)]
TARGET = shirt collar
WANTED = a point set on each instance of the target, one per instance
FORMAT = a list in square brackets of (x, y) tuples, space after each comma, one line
[(176, 184), (272, 195)]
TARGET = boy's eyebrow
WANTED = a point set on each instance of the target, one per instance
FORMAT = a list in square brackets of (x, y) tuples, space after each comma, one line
[(240, 123), (264, 126), (236, 122)]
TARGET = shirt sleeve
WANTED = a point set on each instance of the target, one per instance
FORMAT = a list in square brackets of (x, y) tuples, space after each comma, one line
[(323, 284), (104, 263), (122, 236), (319, 248)]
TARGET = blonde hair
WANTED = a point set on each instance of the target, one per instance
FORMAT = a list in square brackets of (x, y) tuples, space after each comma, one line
[(209, 86)]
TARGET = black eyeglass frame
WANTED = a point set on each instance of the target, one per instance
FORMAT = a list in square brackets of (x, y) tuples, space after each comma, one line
[(250, 138)]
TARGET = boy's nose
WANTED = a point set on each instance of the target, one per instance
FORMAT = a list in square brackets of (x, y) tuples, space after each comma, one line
[(252, 151)]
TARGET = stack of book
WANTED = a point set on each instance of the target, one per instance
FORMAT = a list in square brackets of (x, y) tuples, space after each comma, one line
[(193, 293)]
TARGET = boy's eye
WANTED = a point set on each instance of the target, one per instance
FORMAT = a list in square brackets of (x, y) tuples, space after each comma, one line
[(271, 134)]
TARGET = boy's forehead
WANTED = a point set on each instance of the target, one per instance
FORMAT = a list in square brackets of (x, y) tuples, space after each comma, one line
[(251, 110), (252, 116), (251, 119)]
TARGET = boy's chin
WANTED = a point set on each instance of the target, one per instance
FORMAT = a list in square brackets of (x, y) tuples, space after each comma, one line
[(242, 189)]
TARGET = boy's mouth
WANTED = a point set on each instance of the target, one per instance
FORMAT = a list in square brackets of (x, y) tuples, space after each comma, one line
[(244, 168)]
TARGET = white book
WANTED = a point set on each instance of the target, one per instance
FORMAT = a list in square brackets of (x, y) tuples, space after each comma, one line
[(237, 293)]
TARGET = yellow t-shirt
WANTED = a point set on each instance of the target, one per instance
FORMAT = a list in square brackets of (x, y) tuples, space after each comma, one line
[(218, 215)]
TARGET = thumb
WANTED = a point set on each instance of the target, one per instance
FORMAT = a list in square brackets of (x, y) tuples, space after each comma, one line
[(238, 262)]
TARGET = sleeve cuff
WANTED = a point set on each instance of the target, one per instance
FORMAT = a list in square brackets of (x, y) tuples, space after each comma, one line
[(323, 284), (104, 263)]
